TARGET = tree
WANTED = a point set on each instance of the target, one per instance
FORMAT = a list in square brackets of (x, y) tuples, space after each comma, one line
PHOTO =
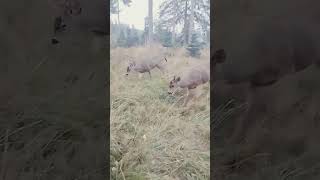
[(171, 14), (118, 11), (175, 12), (146, 31), (202, 17), (134, 36), (191, 21), (167, 39), (186, 24), (121, 39), (128, 37), (163, 35), (150, 18), (115, 7), (194, 46)]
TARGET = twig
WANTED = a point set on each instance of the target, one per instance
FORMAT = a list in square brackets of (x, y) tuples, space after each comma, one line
[(172, 106), (55, 138), (176, 168), (22, 128), (37, 66), (299, 172), (33, 140), (246, 159), (93, 171), (4, 159), (123, 176)]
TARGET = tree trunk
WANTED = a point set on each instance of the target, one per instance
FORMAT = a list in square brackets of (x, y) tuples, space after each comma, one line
[(208, 36), (150, 21), (185, 28), (118, 12), (173, 37), (191, 21)]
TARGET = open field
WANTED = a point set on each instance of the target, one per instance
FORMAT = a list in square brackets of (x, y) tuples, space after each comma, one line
[(152, 135)]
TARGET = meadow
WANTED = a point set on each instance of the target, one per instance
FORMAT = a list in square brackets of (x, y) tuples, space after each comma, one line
[(152, 135)]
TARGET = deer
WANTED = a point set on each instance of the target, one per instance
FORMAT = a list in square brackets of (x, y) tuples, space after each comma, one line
[(146, 65), (276, 50), (190, 79), (63, 9)]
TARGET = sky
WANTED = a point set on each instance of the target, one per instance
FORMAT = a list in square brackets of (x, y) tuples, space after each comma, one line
[(135, 14)]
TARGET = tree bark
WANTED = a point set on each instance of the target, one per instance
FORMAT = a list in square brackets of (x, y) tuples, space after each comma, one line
[(173, 37), (191, 21), (185, 28), (118, 11), (150, 21)]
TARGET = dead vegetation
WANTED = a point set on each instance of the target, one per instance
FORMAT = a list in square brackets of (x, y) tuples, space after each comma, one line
[(152, 137), (280, 138), (52, 110), (282, 143)]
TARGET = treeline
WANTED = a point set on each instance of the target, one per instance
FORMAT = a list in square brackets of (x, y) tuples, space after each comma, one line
[(125, 36), (181, 23)]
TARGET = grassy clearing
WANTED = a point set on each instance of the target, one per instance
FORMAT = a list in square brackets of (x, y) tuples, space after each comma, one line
[(152, 137)]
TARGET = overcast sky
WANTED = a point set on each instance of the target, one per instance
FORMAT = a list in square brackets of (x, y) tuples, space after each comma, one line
[(135, 14)]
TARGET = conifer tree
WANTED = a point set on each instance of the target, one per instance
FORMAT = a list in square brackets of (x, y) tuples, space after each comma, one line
[(195, 46), (121, 39)]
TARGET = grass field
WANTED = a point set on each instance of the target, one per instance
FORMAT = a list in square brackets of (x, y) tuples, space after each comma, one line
[(152, 135)]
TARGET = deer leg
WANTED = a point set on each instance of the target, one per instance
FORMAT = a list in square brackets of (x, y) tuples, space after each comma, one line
[(59, 26), (160, 68), (186, 99), (198, 93), (149, 74), (190, 95), (56, 28)]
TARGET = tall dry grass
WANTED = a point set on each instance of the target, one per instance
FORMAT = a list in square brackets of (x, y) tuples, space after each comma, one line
[(152, 137)]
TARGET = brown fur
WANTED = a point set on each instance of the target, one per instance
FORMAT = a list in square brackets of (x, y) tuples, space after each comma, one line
[(63, 9), (263, 61), (146, 65), (66, 8), (269, 46), (190, 80)]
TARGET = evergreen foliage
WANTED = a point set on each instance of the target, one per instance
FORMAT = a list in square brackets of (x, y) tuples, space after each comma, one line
[(195, 46)]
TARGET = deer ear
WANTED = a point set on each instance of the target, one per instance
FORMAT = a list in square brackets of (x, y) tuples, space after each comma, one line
[(131, 62), (178, 79), (174, 77)]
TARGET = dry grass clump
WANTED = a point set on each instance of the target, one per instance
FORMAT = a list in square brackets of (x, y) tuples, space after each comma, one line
[(152, 136)]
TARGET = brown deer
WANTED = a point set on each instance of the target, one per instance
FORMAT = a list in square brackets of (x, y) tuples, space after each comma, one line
[(276, 49), (190, 80), (63, 9), (146, 65)]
